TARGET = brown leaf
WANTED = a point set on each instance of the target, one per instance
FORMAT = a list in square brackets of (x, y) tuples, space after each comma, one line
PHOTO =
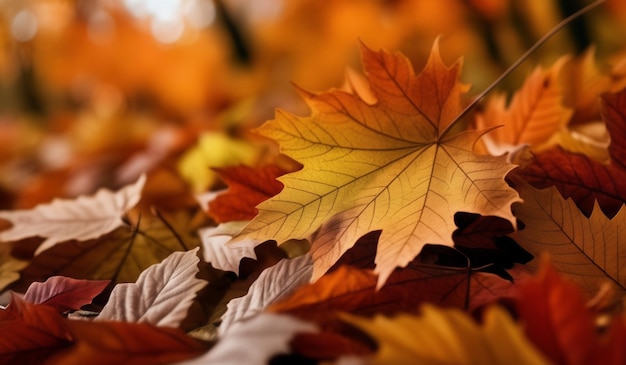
[(63, 293), (119, 256), (587, 249)]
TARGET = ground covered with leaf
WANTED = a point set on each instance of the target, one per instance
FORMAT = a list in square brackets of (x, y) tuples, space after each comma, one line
[(160, 211)]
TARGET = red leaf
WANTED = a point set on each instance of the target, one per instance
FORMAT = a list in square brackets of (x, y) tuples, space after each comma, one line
[(613, 107), (63, 293), (556, 319), (247, 187), (579, 177), (126, 343), (353, 290), (26, 327)]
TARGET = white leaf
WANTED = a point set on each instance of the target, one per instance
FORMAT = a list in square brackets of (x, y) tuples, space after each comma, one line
[(218, 253), (83, 218), (162, 294), (254, 341), (274, 283)]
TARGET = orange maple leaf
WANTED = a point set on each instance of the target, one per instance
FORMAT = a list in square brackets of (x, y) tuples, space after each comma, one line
[(396, 165), (534, 115)]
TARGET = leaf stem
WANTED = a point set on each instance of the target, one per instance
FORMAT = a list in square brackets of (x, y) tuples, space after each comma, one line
[(520, 60)]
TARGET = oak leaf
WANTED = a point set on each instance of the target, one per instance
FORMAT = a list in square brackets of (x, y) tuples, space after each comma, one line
[(392, 166), (448, 336), (63, 293), (534, 115), (162, 294), (587, 249), (83, 218)]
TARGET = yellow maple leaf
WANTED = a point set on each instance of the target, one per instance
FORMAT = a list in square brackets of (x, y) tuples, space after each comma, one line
[(395, 165), (448, 336)]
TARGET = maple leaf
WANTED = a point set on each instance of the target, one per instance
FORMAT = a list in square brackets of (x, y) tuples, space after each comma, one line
[(448, 336), (247, 187), (255, 340), (557, 320), (534, 115), (63, 293), (587, 249), (162, 294), (389, 166), (81, 219)]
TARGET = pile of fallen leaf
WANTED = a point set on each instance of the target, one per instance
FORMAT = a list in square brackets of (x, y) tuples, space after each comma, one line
[(388, 227)]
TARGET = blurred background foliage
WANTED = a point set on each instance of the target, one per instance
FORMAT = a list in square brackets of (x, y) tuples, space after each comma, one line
[(95, 92)]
